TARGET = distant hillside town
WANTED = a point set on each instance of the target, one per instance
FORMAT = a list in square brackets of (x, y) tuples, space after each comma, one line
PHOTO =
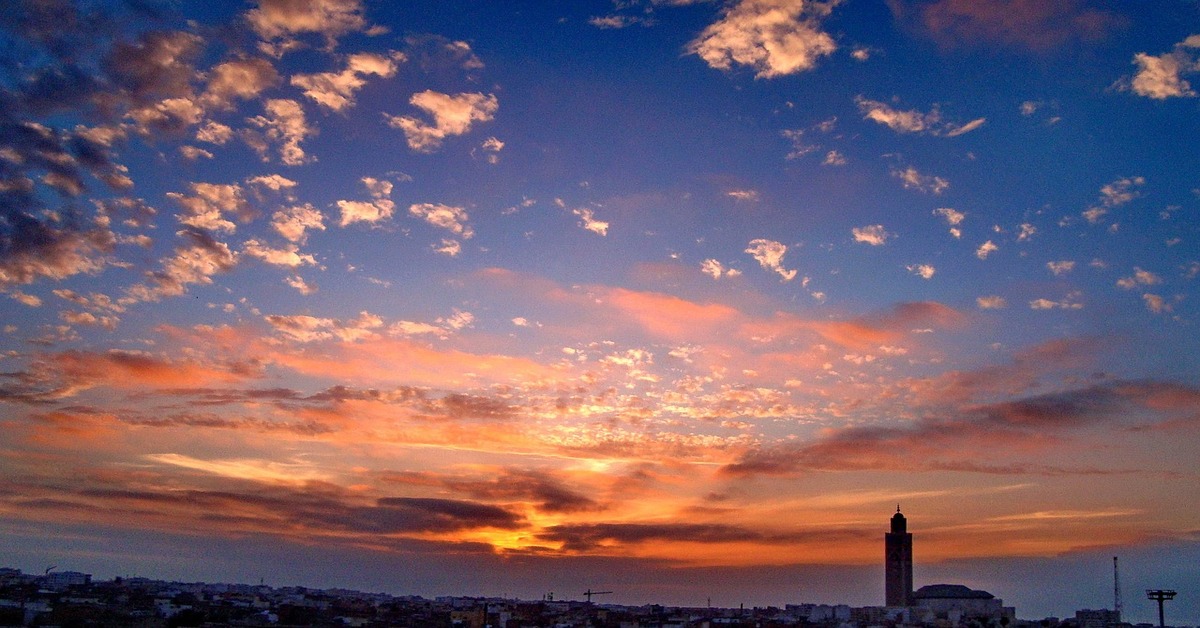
[(73, 599)]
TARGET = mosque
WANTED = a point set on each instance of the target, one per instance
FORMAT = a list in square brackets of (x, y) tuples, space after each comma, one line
[(952, 602)]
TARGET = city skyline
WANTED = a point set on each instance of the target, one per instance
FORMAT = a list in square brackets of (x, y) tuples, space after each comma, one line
[(680, 293)]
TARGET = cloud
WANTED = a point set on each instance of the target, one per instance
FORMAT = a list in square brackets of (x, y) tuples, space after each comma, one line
[(294, 222), (953, 218), (986, 249), (875, 235), (275, 19), (304, 328), (924, 271), (971, 438), (912, 121), (1025, 24), (1161, 77), (834, 158), (374, 211), (1156, 303), (769, 254), (619, 21), (1070, 302), (209, 202), (1114, 194), (49, 247), (283, 124), (288, 257), (774, 37), (716, 270), (750, 196), (239, 79), (548, 492), (587, 220), (914, 180), (335, 90), (991, 302), (196, 260), (157, 67), (1061, 267), (452, 115), (1140, 278), (583, 537), (453, 219)]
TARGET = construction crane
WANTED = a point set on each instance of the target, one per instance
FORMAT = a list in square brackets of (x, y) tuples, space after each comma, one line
[(589, 593)]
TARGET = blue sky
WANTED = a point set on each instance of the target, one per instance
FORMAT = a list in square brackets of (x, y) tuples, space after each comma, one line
[(678, 289)]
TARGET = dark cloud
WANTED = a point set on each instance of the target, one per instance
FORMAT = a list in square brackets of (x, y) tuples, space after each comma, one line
[(982, 433), (1025, 24), (315, 509), (548, 493), (584, 537)]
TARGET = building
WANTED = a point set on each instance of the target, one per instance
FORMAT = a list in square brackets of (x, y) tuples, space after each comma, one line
[(898, 562), (957, 603)]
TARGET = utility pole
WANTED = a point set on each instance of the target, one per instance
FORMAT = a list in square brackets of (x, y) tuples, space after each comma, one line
[(1160, 595)]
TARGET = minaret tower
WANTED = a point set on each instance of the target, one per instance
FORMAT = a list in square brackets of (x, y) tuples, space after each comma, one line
[(897, 544)]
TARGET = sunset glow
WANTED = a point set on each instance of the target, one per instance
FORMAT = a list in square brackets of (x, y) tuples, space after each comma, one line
[(516, 297)]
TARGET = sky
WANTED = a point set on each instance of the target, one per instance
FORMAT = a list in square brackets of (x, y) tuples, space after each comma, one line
[(677, 299)]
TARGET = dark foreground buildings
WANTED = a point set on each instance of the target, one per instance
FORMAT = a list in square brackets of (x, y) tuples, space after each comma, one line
[(73, 599)]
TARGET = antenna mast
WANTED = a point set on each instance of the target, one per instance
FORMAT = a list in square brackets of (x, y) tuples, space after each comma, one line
[(1116, 589)]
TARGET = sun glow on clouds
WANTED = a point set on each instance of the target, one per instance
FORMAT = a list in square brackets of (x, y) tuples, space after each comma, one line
[(281, 282)]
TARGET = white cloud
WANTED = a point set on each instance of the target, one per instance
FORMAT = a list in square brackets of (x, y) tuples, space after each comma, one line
[(991, 302), (335, 90), (875, 235), (1140, 278), (1069, 302), (373, 211), (301, 286), (196, 260), (924, 271), (272, 182), (285, 125), (913, 121), (799, 147), (774, 37), (452, 115), (743, 195), (214, 133), (448, 247), (834, 158), (769, 254), (1112, 195), (293, 223), (206, 208), (985, 249), (619, 21), (192, 153), (1161, 77), (453, 219), (914, 180), (281, 18), (1026, 231), (716, 269), (1155, 303), (289, 256), (239, 79), (1061, 267), (587, 220), (953, 217)]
